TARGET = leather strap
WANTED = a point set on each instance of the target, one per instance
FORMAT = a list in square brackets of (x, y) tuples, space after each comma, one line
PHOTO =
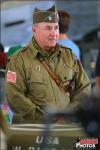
[(52, 74)]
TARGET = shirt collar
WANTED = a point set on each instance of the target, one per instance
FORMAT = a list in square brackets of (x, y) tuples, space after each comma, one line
[(35, 48)]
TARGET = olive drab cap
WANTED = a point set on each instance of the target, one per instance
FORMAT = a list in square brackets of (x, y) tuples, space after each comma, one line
[(49, 15)]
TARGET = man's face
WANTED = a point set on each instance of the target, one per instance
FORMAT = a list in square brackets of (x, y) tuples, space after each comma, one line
[(46, 34)]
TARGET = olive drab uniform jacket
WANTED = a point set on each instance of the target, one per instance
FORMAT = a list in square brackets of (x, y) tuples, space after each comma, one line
[(30, 88)]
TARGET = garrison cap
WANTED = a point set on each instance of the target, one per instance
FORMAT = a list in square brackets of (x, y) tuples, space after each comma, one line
[(49, 15)]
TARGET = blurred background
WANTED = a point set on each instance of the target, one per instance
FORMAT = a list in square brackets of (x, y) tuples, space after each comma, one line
[(16, 25)]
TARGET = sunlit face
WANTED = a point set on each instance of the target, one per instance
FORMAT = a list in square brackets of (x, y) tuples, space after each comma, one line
[(46, 34)]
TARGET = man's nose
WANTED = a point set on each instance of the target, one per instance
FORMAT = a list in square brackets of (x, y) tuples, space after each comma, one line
[(53, 32)]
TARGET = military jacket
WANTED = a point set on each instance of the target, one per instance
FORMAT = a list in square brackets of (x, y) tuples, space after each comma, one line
[(30, 88)]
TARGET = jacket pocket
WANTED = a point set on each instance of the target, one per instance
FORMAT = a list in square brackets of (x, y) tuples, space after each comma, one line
[(66, 75), (37, 86), (38, 89)]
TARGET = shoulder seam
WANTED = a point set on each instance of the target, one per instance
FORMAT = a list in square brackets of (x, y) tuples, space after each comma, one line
[(64, 47)]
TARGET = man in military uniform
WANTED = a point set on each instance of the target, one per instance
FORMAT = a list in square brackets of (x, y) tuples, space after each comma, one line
[(44, 74)]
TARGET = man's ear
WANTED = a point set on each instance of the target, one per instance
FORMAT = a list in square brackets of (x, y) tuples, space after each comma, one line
[(33, 28)]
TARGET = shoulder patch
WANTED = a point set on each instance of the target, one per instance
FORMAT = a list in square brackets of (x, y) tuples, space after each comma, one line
[(11, 76)]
